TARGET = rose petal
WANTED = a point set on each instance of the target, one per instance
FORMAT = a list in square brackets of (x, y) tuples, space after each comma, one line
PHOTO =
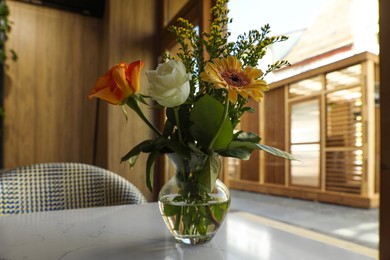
[(168, 84)]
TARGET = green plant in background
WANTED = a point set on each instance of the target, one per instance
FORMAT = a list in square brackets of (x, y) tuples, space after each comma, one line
[(5, 28)]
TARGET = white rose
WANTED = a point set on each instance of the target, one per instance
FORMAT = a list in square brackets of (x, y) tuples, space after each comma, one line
[(169, 83)]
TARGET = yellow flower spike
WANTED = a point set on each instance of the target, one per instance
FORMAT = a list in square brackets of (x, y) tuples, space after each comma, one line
[(228, 73)]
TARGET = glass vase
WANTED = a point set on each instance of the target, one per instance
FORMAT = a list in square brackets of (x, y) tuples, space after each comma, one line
[(192, 213)]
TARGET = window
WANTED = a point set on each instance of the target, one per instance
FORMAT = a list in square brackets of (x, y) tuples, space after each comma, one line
[(305, 142), (344, 130)]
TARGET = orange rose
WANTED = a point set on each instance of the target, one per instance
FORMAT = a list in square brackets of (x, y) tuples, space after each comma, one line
[(120, 82)]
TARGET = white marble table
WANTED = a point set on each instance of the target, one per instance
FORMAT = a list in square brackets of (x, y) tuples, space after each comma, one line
[(138, 232)]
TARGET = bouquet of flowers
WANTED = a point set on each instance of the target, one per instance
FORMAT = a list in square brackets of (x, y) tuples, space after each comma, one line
[(204, 90)]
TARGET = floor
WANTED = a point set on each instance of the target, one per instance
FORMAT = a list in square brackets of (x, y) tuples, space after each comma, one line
[(359, 226)]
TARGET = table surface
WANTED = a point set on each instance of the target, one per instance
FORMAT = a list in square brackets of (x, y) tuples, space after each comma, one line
[(138, 232)]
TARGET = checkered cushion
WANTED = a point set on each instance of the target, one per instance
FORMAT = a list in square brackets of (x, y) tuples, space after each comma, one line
[(59, 186)]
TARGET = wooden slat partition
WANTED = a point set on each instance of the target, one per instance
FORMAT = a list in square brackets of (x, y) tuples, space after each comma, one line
[(342, 173), (250, 122), (274, 129)]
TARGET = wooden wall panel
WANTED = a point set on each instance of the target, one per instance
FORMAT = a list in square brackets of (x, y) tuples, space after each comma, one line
[(132, 36), (274, 130), (48, 117), (250, 123), (171, 9), (61, 54)]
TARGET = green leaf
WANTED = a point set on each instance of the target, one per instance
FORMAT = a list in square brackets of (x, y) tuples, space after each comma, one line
[(154, 144), (180, 149), (248, 109), (132, 160), (217, 212), (239, 149), (141, 98), (170, 114), (150, 168), (171, 210), (205, 116), (147, 146), (248, 137), (275, 151), (202, 228), (123, 107), (209, 174), (187, 219), (168, 129), (134, 152), (132, 102), (178, 220), (243, 150)]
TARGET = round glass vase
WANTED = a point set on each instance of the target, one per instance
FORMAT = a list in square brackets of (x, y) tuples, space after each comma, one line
[(192, 213)]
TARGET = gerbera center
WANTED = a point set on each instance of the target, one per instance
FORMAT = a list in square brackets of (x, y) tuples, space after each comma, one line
[(235, 78)]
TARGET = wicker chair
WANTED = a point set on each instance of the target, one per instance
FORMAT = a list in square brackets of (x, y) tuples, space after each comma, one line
[(59, 186)]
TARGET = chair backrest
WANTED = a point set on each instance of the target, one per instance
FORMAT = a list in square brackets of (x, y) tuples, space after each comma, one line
[(59, 186)]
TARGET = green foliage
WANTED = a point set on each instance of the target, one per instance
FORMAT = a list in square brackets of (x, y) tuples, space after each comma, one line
[(249, 48), (252, 46), (202, 128), (194, 219), (5, 28), (209, 173), (205, 123), (193, 210)]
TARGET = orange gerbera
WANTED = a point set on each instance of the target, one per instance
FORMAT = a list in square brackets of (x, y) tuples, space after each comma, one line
[(228, 73), (120, 82)]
